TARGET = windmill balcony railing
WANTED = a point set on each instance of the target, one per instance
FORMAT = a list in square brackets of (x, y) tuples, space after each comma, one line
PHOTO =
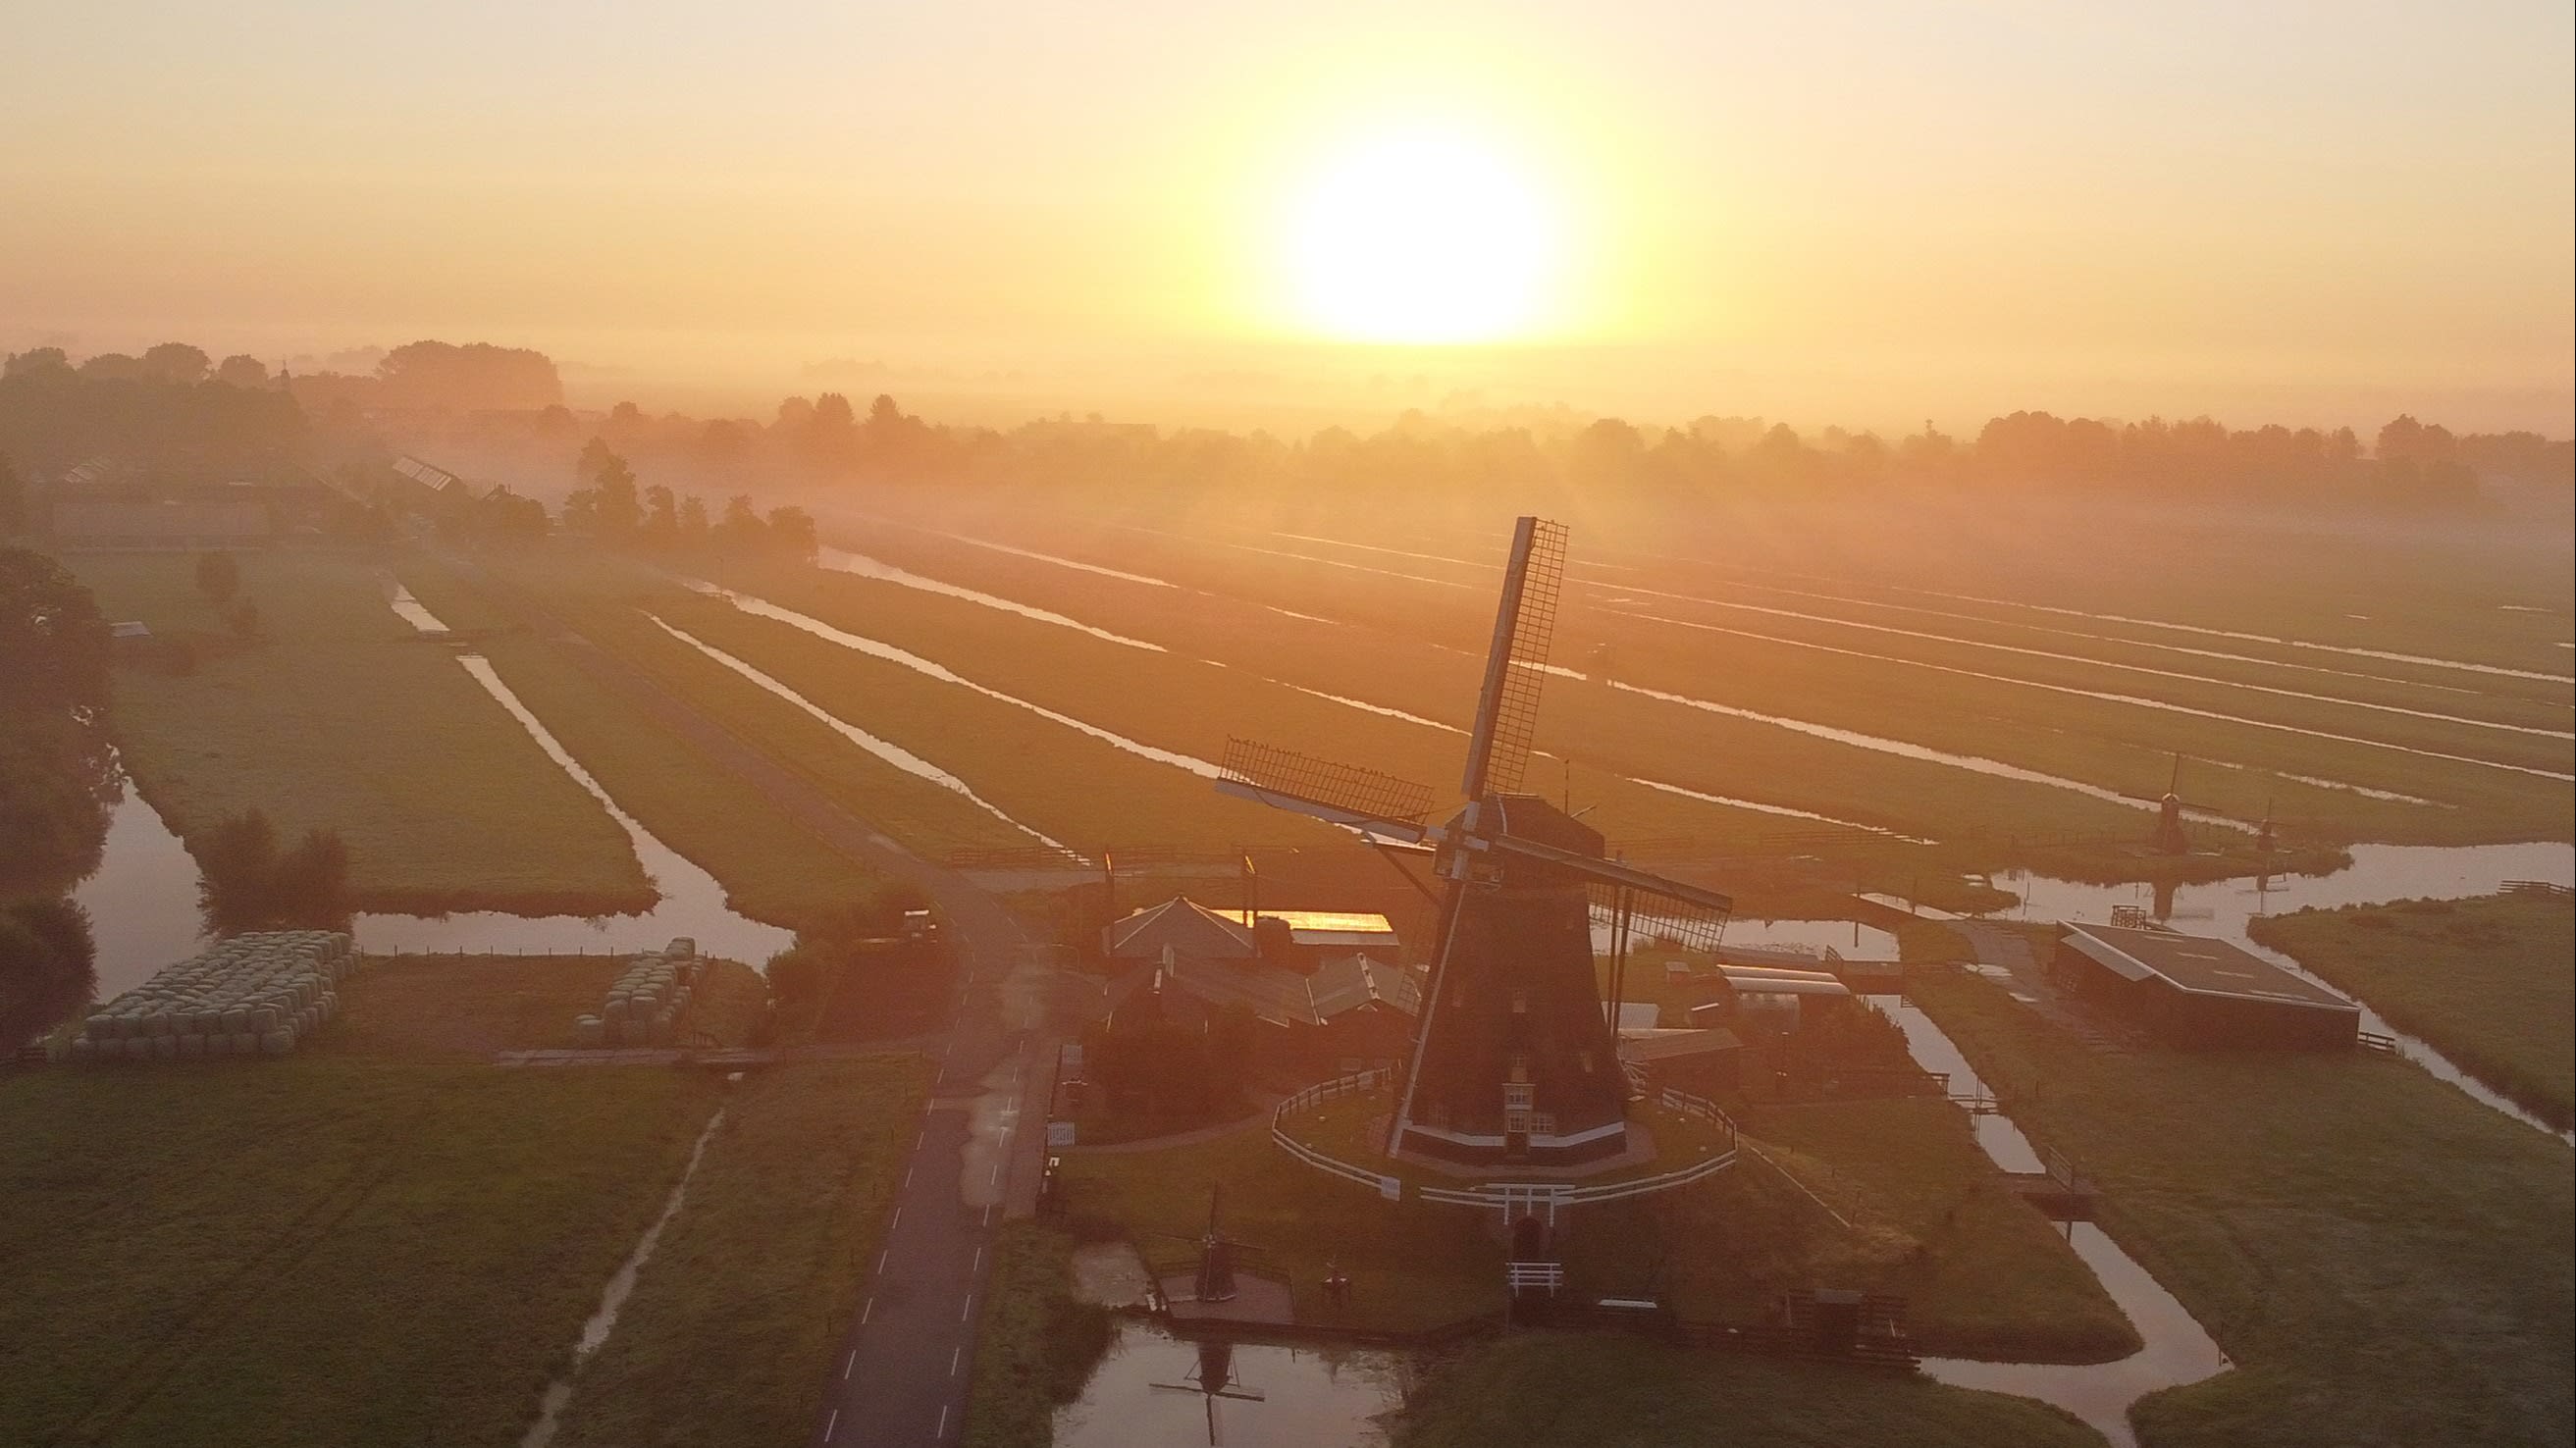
[(1718, 1155)]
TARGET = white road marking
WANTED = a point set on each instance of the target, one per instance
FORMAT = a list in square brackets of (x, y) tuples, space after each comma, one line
[(870, 1308), (966, 1308), (979, 1261), (831, 1425), (882, 1253), (848, 1363), (942, 1430), (956, 1355), (988, 1214), (897, 1222), (907, 1178)]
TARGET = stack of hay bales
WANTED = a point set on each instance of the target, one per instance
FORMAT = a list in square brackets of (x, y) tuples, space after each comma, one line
[(645, 999), (252, 995)]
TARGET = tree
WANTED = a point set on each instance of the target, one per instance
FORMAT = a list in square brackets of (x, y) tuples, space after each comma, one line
[(48, 965), (309, 888), (53, 644), (114, 367), (218, 577), (661, 514), (37, 362), (791, 531), (237, 873), (177, 362), (693, 518), (741, 528), (609, 504), (13, 497), (242, 370)]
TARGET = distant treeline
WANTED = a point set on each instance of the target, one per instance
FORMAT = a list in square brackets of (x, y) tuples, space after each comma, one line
[(2407, 461), (175, 399), (177, 406), (170, 406)]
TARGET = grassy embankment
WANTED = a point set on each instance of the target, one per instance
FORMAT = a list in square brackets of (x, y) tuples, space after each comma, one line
[(731, 1330), (773, 868), (2386, 1261), (1922, 1213), (1035, 1345), (315, 1250), (1553, 1390), (342, 718), (1881, 687), (2490, 983)]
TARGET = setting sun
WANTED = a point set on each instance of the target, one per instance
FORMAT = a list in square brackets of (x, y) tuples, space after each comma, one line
[(1421, 236)]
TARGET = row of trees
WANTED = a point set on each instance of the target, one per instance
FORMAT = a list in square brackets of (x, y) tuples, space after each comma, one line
[(611, 507), (246, 882), (58, 784), (825, 437), (170, 404)]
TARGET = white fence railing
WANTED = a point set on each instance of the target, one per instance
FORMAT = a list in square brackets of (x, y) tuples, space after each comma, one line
[(1359, 1083), (1502, 1196)]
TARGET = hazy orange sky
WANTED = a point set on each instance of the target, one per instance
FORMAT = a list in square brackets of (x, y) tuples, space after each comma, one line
[(1872, 213)]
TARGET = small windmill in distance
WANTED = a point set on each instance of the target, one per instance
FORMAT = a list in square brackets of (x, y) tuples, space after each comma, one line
[(1215, 1279)]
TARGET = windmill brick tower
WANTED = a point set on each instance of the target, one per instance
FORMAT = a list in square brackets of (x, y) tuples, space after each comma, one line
[(1514, 1059)]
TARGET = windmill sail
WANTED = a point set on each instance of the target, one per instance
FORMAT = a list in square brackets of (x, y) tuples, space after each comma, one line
[(1498, 748)]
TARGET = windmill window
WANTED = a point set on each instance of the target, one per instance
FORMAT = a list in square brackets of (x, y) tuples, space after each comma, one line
[(1516, 1095), (1542, 1123)]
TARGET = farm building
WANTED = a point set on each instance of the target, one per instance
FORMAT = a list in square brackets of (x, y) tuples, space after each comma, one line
[(1702, 1062), (1298, 939), (2203, 993), (1325, 986), (1352, 1014), (1761, 1002)]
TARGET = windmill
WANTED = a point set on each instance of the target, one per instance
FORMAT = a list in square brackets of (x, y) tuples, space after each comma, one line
[(1514, 1059), (1215, 1278), (2170, 839), (1211, 1379)]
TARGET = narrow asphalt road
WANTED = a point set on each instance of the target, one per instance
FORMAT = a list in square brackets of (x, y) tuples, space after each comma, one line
[(901, 1375)]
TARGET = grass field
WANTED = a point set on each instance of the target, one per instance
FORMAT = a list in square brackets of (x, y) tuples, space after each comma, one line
[(729, 1335), (773, 868), (2386, 1260), (1879, 684), (1553, 1390), (344, 719), (1035, 1345), (2491, 983), (314, 1250), (1982, 1273), (441, 1007)]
